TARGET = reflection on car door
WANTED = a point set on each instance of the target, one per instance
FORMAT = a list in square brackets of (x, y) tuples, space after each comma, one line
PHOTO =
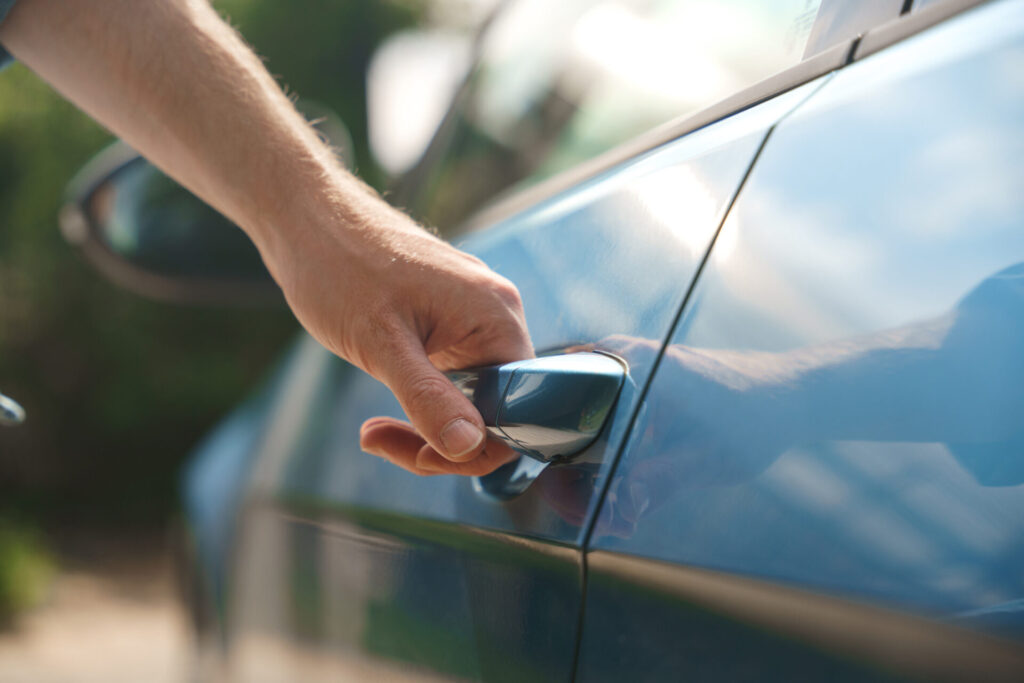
[(348, 566), (828, 480)]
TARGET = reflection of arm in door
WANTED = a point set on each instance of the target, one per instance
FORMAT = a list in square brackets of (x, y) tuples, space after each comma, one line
[(721, 417)]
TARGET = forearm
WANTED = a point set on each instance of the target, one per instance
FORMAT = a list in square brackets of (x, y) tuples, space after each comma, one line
[(180, 86), (171, 79)]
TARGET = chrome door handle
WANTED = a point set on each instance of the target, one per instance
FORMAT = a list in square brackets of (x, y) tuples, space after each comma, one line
[(11, 413), (549, 408)]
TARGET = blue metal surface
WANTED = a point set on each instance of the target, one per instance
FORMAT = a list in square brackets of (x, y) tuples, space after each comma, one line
[(840, 409), (613, 257), (371, 596), (344, 553), (216, 477)]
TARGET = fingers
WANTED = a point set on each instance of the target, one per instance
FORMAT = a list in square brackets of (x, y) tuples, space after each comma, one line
[(494, 455), (439, 412), (393, 440), (487, 334), (398, 443)]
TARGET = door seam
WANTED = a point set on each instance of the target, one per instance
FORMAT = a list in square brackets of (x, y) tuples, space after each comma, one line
[(677, 317)]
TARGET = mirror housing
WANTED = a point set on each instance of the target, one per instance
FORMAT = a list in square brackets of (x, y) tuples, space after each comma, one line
[(150, 235)]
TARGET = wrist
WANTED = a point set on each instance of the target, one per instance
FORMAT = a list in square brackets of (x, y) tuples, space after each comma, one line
[(313, 210), (331, 224)]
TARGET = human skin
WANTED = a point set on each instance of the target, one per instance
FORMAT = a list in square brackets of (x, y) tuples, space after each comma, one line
[(181, 87)]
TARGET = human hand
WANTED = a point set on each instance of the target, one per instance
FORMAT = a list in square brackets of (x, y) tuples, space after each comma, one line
[(405, 306), (361, 277)]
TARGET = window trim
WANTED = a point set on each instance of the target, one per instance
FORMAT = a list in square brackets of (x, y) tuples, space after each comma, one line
[(512, 202), (910, 24)]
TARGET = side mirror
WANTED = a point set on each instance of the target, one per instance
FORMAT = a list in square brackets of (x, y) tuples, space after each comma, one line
[(150, 235)]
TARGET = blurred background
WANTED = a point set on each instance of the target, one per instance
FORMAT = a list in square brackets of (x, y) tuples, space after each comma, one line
[(119, 388)]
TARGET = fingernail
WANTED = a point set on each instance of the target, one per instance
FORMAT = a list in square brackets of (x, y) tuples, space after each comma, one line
[(371, 423), (460, 437)]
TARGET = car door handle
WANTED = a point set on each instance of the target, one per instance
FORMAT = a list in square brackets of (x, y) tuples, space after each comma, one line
[(549, 408)]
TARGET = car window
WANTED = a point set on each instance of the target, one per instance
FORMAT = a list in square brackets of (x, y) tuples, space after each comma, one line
[(559, 83)]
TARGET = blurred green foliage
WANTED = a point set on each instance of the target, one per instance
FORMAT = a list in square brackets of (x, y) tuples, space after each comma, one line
[(25, 568), (118, 388)]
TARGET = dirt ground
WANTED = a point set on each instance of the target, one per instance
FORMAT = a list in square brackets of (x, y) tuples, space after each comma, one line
[(112, 615)]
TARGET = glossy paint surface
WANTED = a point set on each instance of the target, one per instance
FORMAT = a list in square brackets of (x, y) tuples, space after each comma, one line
[(610, 259), (215, 480), (370, 596), (343, 553), (841, 409)]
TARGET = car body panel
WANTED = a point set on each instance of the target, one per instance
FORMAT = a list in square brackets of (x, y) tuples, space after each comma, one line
[(219, 476), (344, 553), (614, 257), (838, 415), (847, 548)]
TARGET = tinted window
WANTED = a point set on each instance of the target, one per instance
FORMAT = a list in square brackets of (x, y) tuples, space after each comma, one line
[(559, 83)]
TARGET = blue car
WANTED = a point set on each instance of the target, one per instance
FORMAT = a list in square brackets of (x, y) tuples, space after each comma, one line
[(772, 260)]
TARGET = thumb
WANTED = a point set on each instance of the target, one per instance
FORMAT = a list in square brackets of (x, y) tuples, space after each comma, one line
[(437, 409)]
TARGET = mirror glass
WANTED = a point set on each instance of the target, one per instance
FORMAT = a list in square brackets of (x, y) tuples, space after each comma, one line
[(149, 234), (148, 220)]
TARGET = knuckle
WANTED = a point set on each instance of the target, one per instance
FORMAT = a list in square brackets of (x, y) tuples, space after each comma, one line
[(426, 391), (508, 294)]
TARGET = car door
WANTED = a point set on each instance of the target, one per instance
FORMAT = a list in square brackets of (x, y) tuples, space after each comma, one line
[(359, 557), (346, 566), (827, 480)]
